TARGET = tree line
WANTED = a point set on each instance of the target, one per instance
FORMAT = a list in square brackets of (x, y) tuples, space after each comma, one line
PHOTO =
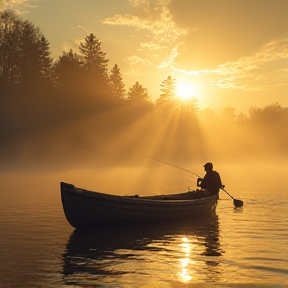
[(43, 96), (27, 67)]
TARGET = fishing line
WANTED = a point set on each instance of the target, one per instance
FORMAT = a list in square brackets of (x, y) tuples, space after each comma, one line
[(171, 165)]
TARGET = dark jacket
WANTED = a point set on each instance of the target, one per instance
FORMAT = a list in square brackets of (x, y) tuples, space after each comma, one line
[(212, 182)]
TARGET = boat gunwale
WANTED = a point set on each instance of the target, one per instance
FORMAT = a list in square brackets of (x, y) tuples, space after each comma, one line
[(134, 199)]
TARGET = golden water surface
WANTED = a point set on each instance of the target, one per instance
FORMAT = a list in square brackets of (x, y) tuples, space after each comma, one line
[(244, 247)]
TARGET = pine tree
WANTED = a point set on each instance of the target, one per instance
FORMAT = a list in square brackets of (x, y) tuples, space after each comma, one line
[(138, 95), (168, 90), (35, 58), (117, 85), (94, 57), (95, 64), (45, 59)]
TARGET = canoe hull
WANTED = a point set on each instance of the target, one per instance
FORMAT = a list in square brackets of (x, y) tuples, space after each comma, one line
[(84, 208)]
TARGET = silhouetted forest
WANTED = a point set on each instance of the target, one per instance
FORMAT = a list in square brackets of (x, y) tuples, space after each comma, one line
[(75, 110)]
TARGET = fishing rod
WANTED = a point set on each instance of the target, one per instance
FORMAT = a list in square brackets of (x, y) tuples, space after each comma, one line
[(237, 202), (171, 165)]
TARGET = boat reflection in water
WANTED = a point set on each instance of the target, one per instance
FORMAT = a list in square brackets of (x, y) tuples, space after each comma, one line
[(174, 252)]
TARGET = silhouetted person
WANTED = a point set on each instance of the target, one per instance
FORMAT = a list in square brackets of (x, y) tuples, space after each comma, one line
[(211, 181)]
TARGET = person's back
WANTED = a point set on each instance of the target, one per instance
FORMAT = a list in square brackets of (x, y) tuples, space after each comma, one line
[(211, 181)]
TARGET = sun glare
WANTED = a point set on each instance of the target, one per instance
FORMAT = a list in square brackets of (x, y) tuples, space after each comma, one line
[(186, 90)]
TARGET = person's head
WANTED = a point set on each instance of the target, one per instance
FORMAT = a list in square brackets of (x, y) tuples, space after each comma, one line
[(208, 166)]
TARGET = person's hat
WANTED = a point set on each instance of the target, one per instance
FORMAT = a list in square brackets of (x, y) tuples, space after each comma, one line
[(208, 165)]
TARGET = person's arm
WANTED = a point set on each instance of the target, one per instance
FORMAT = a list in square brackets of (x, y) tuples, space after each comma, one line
[(203, 182), (199, 182), (220, 182)]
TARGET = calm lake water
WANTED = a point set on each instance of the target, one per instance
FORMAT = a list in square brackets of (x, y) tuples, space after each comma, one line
[(244, 247)]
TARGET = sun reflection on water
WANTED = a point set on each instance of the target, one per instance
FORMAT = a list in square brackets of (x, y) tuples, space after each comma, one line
[(186, 248)]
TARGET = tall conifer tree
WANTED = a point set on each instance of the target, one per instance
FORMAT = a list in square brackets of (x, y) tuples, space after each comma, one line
[(117, 85), (94, 57), (168, 88), (138, 95)]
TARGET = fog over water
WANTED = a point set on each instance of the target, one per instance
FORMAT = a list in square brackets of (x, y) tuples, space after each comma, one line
[(123, 134), (98, 147), (144, 179)]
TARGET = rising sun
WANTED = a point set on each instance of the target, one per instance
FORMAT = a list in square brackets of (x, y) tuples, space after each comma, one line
[(186, 90)]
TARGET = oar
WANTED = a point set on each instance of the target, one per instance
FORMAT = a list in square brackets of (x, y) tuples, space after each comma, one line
[(236, 202)]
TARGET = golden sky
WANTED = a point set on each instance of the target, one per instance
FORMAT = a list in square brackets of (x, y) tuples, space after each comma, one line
[(233, 52)]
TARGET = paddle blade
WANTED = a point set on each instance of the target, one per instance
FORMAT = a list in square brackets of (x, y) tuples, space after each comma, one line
[(238, 203)]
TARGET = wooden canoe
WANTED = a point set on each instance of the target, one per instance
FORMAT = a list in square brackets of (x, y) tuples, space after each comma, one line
[(84, 208)]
